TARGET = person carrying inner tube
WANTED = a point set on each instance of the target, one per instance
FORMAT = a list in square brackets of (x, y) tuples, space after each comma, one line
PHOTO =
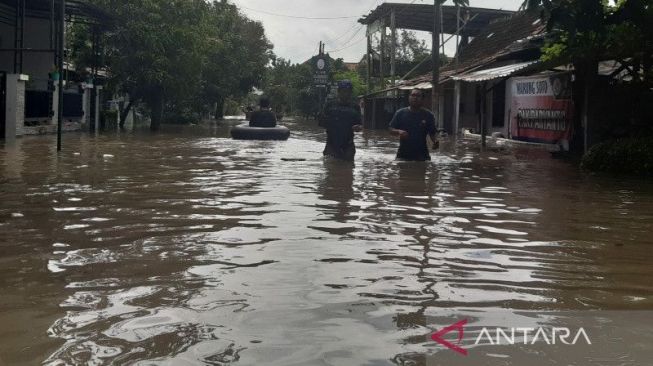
[(264, 117), (341, 119), (412, 125)]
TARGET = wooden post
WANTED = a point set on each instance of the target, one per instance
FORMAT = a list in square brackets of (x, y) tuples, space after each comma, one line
[(373, 124), (456, 107), (483, 115), (585, 118), (382, 53), (393, 48), (370, 61)]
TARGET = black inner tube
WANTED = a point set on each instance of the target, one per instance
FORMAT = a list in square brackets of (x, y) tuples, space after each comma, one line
[(245, 132)]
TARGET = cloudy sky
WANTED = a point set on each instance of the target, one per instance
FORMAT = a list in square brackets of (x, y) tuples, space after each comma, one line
[(297, 38)]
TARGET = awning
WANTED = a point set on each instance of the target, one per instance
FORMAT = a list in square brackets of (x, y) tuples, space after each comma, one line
[(423, 86), (495, 73)]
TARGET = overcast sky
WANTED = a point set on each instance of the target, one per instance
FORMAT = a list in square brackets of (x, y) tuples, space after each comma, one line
[(297, 39)]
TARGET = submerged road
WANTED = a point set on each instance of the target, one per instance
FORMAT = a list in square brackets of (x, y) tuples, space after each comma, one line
[(187, 247)]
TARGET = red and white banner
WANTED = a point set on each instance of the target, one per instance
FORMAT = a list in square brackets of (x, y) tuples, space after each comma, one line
[(542, 108)]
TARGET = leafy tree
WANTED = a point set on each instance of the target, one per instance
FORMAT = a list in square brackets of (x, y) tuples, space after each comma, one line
[(156, 50), (358, 84), (586, 32), (238, 61), (286, 83), (181, 57)]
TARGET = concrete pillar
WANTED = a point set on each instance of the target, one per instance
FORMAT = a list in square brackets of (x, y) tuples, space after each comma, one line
[(129, 121), (98, 89), (15, 105), (55, 103), (86, 106)]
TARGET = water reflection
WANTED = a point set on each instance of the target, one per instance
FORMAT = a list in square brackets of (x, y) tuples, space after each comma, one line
[(336, 187), (188, 247)]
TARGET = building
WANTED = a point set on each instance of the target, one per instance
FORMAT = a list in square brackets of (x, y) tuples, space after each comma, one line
[(30, 32), (465, 23)]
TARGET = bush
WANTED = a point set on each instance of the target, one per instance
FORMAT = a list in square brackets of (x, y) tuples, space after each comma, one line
[(633, 156), (108, 119)]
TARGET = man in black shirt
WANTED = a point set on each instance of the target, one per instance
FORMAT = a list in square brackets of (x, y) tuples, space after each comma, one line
[(412, 125), (264, 117), (341, 119)]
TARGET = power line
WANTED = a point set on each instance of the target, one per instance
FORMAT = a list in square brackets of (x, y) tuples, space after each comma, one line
[(350, 38), (349, 46), (375, 3), (345, 46), (295, 16)]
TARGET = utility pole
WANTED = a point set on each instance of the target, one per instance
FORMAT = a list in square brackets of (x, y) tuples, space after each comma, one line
[(435, 91)]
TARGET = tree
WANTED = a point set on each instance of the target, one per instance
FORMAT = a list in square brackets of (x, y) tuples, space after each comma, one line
[(358, 84), (156, 50), (586, 32), (182, 57), (238, 61), (286, 85), (410, 52)]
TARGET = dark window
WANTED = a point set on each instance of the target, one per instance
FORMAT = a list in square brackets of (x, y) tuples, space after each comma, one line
[(38, 103), (72, 105)]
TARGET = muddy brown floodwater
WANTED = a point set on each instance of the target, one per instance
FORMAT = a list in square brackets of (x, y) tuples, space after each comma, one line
[(187, 247)]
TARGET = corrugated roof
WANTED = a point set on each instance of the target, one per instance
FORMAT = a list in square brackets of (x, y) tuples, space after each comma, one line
[(499, 40), (494, 73)]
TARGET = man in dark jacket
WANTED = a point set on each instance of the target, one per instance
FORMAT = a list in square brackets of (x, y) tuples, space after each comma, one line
[(264, 117), (412, 125), (341, 119)]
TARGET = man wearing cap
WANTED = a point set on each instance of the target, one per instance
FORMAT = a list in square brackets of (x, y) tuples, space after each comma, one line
[(341, 119), (412, 125)]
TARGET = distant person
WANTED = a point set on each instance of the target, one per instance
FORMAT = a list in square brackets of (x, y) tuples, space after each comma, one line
[(341, 119), (412, 125), (264, 117)]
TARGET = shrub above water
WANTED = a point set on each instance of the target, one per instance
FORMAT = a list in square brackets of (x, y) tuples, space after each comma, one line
[(633, 156)]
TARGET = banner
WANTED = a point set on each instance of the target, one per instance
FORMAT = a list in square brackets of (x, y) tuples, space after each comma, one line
[(542, 109)]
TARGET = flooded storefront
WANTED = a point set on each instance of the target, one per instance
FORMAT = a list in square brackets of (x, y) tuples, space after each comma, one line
[(187, 247)]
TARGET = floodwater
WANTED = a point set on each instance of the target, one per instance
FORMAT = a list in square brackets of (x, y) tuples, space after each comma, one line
[(186, 247)]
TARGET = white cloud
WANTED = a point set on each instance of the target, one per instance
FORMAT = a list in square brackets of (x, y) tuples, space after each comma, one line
[(297, 39)]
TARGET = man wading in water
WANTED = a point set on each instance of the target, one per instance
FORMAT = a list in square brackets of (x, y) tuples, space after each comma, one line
[(412, 125), (341, 119)]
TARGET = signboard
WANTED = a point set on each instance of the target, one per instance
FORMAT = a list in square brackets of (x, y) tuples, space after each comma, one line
[(320, 70), (542, 109)]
